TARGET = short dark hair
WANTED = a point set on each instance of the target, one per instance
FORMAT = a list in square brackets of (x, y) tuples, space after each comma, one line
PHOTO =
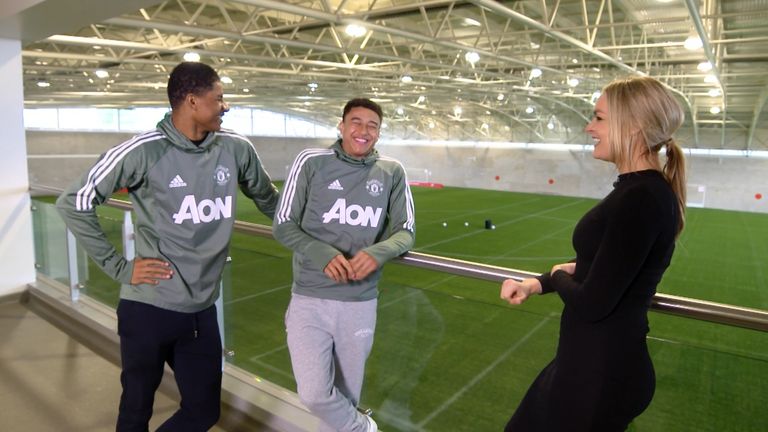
[(364, 103), (190, 77)]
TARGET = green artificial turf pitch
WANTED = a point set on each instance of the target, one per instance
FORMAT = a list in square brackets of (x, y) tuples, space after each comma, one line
[(450, 356)]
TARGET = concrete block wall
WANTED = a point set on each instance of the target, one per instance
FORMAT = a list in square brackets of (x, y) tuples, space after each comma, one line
[(57, 158)]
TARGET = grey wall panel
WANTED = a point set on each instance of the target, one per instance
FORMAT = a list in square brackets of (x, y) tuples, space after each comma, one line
[(730, 182)]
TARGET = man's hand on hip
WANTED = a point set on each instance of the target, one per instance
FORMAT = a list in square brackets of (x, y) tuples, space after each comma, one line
[(150, 271)]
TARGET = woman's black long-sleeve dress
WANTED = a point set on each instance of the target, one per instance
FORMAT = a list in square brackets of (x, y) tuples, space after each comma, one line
[(602, 376)]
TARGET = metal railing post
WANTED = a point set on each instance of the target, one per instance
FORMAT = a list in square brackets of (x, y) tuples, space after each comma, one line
[(224, 283), (129, 237), (74, 273)]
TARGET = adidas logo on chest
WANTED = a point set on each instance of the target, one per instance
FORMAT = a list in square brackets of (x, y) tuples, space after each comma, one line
[(336, 185), (177, 182)]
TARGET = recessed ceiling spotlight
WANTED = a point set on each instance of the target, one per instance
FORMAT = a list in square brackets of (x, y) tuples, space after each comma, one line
[(500, 97), (43, 84), (529, 109), (472, 57), (406, 79), (101, 73), (535, 73)]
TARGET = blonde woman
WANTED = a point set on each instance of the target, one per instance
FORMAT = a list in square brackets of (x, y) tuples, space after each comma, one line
[(602, 376)]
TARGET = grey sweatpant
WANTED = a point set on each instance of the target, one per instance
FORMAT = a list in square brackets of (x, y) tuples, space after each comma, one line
[(329, 342)]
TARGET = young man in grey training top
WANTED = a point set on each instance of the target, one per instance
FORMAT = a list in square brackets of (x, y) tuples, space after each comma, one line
[(344, 212), (183, 179)]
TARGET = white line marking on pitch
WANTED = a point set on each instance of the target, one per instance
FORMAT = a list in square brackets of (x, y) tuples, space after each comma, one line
[(282, 287), (264, 354), (381, 306), (509, 222), (482, 374)]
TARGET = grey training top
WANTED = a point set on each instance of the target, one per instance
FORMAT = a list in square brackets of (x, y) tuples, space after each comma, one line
[(335, 204), (184, 197)]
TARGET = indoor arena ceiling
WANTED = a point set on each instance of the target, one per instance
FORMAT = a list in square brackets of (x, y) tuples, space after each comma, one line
[(478, 69)]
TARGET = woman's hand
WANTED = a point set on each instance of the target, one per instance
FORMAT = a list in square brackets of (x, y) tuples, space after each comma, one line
[(515, 292), (569, 267)]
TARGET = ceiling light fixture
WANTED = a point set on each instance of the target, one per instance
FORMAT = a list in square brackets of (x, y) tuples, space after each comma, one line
[(226, 80), (406, 79), (192, 57), (704, 66), (693, 43), (573, 82), (529, 109), (472, 57), (714, 92), (43, 84), (101, 73), (715, 110), (535, 73), (355, 30), (500, 97)]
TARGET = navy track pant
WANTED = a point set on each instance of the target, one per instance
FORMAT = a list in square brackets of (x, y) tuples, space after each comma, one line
[(190, 343)]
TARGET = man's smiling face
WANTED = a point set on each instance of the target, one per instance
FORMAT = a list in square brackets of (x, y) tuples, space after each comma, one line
[(359, 131)]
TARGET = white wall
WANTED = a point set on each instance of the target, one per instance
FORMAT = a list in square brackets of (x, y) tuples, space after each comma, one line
[(17, 267), (731, 183)]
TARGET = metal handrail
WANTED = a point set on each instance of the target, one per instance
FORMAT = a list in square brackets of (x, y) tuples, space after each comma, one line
[(720, 313)]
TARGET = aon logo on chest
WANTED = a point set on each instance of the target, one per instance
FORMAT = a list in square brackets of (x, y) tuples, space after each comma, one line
[(203, 212), (353, 214)]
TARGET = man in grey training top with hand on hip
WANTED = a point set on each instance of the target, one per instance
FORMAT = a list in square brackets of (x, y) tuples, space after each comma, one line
[(344, 212), (182, 178)]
